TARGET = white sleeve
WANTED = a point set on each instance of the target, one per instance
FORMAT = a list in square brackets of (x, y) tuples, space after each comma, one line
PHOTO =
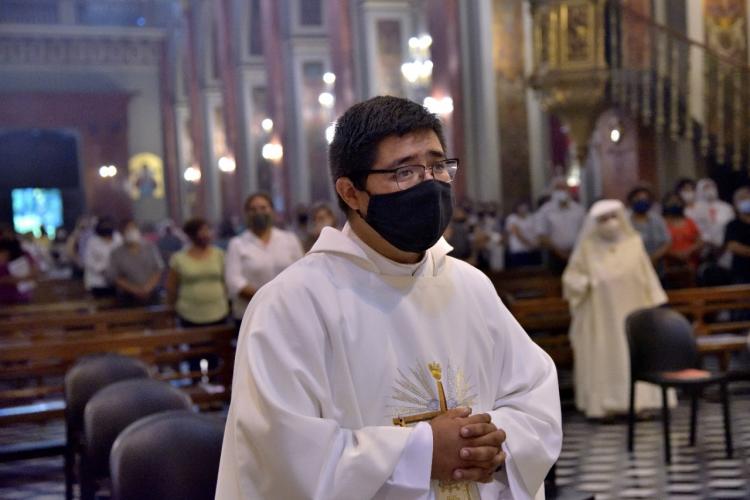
[(233, 268), (411, 477), (284, 437), (527, 408)]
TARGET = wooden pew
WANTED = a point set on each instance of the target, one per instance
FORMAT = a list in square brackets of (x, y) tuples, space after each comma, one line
[(547, 320), (710, 310), (701, 306), (32, 372), (527, 283), (44, 309), (73, 323), (50, 290)]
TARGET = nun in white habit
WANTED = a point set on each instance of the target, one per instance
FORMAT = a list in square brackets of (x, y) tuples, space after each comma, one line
[(609, 275)]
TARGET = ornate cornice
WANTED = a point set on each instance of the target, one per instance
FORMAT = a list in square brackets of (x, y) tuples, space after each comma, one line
[(80, 47)]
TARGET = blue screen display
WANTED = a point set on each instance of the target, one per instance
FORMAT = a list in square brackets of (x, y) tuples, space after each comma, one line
[(36, 208)]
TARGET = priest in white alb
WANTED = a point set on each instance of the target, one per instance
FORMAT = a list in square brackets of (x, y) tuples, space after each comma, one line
[(377, 366)]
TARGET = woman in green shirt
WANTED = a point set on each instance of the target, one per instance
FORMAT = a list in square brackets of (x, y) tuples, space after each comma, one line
[(195, 283)]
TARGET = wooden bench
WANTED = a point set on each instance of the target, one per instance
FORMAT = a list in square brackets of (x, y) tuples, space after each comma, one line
[(516, 284), (547, 320), (32, 372), (46, 309), (50, 290), (72, 323), (710, 310)]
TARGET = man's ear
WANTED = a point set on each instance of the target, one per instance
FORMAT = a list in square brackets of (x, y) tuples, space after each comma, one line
[(345, 188)]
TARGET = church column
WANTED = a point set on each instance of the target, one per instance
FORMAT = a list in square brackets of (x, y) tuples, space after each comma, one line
[(277, 80), (297, 58), (446, 76), (204, 97), (538, 119), (225, 52), (210, 99), (340, 21), (244, 19), (480, 124), (385, 28), (168, 73)]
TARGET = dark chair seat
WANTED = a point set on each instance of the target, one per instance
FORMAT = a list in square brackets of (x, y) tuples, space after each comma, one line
[(685, 377), (110, 411), (663, 351), (172, 455), (82, 381)]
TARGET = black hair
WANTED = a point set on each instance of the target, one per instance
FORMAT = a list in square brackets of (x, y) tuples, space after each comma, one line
[(105, 227), (638, 190), (259, 194), (12, 246), (682, 182), (363, 126), (193, 227), (672, 198)]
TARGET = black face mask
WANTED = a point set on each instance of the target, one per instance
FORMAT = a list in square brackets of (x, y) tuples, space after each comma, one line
[(674, 210), (259, 222), (414, 219)]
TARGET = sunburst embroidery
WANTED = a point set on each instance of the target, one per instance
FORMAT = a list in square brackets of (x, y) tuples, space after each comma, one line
[(417, 392)]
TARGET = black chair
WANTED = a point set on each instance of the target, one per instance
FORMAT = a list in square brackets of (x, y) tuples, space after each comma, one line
[(82, 381), (110, 411), (663, 352), (168, 456)]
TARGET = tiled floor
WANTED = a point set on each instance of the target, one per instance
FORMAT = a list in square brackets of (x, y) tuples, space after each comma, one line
[(593, 460)]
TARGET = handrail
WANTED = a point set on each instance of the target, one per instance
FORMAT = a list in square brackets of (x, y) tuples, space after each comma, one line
[(676, 34)]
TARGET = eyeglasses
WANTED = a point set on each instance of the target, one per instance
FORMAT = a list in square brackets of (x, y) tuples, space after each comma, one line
[(409, 176)]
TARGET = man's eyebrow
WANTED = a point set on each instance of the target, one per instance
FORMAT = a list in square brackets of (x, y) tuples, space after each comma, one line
[(433, 153)]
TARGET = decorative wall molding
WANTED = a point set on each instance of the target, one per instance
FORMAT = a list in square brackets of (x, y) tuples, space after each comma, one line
[(80, 48)]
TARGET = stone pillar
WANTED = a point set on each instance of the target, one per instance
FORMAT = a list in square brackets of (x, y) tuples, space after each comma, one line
[(508, 39), (277, 79), (481, 162), (538, 120), (446, 77)]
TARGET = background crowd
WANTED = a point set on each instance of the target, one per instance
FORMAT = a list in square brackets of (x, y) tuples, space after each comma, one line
[(691, 236)]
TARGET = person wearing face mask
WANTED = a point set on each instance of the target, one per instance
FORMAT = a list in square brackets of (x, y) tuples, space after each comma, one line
[(608, 277), (685, 189), (559, 221), (258, 254), (377, 366), (649, 224), (96, 258), (458, 236), (711, 213), (135, 267), (523, 247), (682, 259), (195, 281), (322, 216), (737, 236)]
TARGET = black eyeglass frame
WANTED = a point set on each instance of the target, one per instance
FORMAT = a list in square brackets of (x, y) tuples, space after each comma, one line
[(365, 173)]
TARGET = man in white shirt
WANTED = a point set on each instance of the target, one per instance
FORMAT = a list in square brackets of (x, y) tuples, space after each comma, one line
[(258, 254), (560, 220), (377, 366)]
